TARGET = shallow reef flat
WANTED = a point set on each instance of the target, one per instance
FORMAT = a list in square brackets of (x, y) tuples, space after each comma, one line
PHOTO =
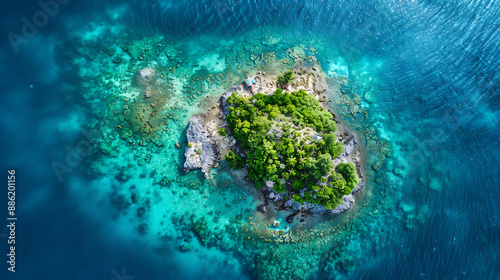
[(140, 93)]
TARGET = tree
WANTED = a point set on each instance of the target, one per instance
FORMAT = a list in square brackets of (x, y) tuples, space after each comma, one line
[(348, 172), (260, 104), (297, 185), (234, 160), (333, 147), (327, 198), (338, 184)]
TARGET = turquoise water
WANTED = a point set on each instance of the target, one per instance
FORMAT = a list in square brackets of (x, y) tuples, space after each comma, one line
[(419, 87)]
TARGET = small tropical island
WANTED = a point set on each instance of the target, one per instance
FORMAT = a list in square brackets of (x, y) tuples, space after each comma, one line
[(285, 138)]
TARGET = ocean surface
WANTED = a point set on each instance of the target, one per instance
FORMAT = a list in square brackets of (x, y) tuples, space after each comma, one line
[(427, 74)]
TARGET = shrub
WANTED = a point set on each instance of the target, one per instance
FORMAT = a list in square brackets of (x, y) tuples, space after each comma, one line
[(348, 172), (190, 145), (234, 160), (279, 188), (222, 131), (199, 152), (260, 104), (297, 185)]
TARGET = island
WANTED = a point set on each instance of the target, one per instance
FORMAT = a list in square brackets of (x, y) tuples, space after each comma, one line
[(282, 133)]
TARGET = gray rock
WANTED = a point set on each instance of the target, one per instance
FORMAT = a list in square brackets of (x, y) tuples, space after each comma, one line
[(271, 195), (307, 206), (317, 210), (197, 136), (349, 146), (348, 202), (296, 206), (358, 187)]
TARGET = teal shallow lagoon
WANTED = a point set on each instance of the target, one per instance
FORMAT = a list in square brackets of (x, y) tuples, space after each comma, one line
[(429, 212)]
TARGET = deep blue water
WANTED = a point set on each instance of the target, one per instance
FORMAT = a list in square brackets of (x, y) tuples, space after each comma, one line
[(438, 100)]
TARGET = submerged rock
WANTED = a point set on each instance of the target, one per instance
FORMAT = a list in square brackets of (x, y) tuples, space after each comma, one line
[(200, 153), (262, 208), (377, 166), (290, 218), (126, 133), (185, 247)]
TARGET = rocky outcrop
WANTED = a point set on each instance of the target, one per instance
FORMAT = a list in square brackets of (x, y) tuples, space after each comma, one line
[(200, 152), (348, 201), (349, 146), (317, 210)]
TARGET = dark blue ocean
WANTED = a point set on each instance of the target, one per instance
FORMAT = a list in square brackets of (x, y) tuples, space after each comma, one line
[(429, 69)]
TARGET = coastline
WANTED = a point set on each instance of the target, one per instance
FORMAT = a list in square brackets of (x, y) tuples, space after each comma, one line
[(314, 83)]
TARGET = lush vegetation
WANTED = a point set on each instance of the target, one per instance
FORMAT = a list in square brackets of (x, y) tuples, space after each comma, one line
[(285, 78), (234, 160), (290, 140)]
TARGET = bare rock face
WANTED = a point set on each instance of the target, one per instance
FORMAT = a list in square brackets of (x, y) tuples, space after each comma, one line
[(349, 146), (317, 210), (200, 153)]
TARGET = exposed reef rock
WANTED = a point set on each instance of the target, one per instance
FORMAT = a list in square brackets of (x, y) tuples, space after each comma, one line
[(200, 152)]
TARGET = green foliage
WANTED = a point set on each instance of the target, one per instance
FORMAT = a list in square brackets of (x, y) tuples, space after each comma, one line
[(199, 152), (260, 104), (297, 185), (279, 188), (328, 198), (348, 172), (332, 146), (338, 183), (288, 157), (234, 160), (324, 164), (190, 145), (222, 131), (285, 78)]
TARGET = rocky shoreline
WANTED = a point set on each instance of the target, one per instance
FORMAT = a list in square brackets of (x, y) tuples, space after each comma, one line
[(201, 151), (206, 147)]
